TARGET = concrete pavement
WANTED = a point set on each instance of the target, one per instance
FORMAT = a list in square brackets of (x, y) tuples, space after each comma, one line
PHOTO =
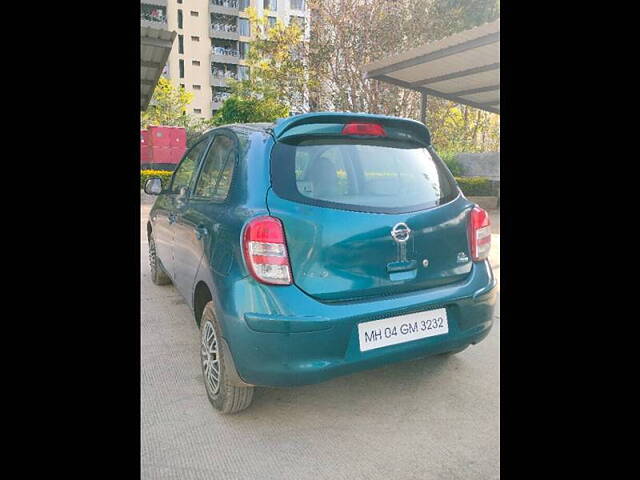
[(435, 418)]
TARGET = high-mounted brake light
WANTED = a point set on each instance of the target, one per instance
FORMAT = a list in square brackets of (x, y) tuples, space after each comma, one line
[(265, 251), (479, 234), (365, 129)]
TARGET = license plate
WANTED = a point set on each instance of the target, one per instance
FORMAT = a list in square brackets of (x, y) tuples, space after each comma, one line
[(405, 328)]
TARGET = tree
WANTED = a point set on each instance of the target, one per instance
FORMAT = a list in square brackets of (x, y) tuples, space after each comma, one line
[(460, 128), (238, 109), (168, 106), (278, 70), (347, 34)]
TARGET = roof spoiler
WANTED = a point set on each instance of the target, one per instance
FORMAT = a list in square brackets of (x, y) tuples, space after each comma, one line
[(417, 130)]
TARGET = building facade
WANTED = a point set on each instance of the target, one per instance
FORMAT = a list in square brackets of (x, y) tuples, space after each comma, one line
[(212, 43)]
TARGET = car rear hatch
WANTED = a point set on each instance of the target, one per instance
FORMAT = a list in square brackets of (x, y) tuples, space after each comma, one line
[(367, 207)]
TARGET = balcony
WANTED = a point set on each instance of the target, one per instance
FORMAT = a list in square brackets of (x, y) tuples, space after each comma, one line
[(225, 3), (218, 100), (227, 7), (297, 5), (150, 20), (153, 15), (224, 30), (219, 78), (224, 55)]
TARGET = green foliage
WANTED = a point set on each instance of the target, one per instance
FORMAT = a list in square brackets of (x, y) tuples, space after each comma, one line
[(449, 158), (278, 75), (476, 186), (168, 106), (459, 128), (165, 177), (249, 109), (453, 16)]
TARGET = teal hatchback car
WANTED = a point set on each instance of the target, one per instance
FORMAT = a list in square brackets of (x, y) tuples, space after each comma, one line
[(318, 246)]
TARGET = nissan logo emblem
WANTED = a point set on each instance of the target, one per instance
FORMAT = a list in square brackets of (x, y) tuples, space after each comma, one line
[(400, 232)]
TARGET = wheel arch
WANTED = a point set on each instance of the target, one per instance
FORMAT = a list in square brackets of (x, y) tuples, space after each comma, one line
[(201, 296)]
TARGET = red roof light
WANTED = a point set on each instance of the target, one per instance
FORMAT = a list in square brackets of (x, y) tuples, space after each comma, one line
[(364, 129)]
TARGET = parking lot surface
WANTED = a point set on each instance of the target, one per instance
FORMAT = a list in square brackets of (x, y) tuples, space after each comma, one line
[(434, 418)]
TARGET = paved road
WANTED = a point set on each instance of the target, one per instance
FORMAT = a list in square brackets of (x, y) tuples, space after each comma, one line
[(434, 418)]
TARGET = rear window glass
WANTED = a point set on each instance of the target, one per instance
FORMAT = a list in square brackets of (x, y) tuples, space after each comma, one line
[(364, 175)]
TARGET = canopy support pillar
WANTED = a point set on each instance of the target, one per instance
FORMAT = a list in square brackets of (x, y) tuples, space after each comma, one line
[(423, 108)]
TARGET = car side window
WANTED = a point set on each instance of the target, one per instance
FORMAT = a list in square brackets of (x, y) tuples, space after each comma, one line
[(217, 170), (183, 174)]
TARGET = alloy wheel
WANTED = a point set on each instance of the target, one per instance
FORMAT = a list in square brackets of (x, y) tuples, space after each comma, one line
[(210, 359), (152, 256)]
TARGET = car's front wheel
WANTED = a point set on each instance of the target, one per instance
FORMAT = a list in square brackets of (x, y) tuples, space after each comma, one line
[(158, 275), (223, 395)]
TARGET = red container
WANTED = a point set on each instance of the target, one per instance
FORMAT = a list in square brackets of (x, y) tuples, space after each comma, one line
[(160, 136), (176, 154), (144, 137), (178, 137), (146, 155), (161, 154)]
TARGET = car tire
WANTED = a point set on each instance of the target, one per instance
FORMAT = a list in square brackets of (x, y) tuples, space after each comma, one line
[(158, 275), (457, 350), (223, 395)]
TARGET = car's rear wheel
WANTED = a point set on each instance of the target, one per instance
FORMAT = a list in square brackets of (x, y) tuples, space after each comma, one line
[(223, 395), (158, 275)]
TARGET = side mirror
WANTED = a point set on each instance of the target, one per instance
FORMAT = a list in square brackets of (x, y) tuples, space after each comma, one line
[(153, 186)]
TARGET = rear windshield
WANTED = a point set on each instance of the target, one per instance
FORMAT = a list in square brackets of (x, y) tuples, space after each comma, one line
[(383, 176)]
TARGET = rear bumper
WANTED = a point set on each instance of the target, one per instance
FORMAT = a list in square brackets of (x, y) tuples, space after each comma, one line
[(279, 336)]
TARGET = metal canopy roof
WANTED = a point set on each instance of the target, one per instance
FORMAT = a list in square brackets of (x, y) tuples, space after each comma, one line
[(463, 68), (155, 46)]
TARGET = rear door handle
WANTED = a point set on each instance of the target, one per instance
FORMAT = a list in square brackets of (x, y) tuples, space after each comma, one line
[(201, 231)]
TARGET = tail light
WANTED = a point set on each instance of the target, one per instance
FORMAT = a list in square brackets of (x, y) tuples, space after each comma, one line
[(364, 129), (265, 251), (479, 234)]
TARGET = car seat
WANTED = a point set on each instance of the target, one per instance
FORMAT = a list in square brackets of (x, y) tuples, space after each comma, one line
[(322, 173)]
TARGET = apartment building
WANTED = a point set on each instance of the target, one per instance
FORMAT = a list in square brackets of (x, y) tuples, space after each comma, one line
[(213, 40)]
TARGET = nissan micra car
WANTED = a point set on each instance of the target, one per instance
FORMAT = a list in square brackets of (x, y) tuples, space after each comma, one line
[(317, 246)]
